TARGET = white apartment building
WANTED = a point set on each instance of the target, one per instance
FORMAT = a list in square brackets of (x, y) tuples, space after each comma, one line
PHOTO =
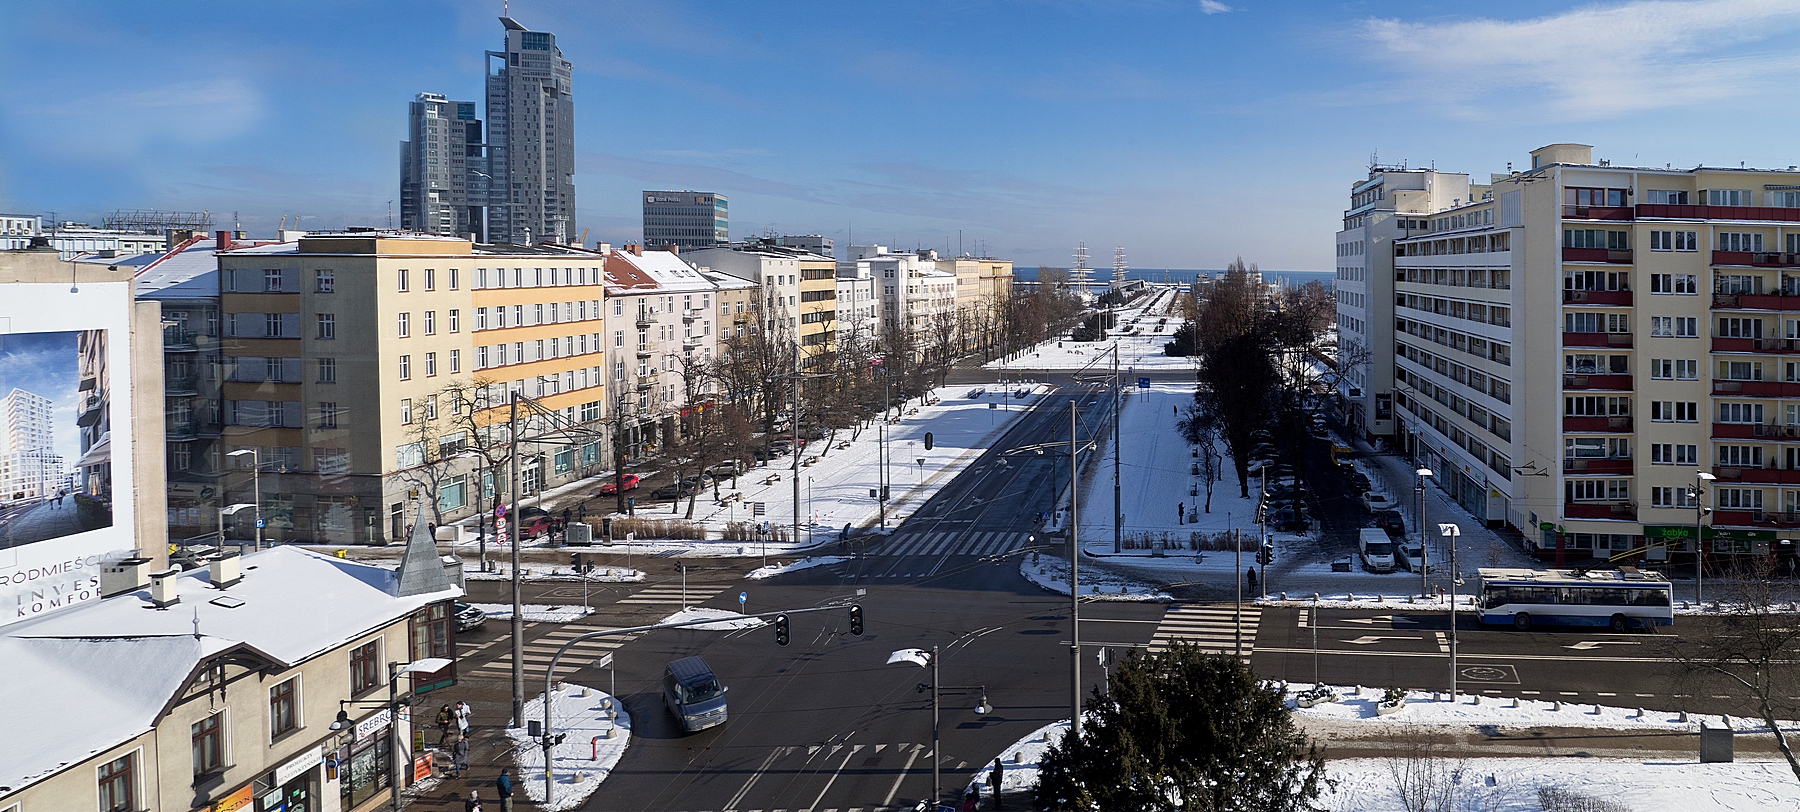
[(1579, 340), (912, 288), (30, 468), (858, 303), (661, 323)]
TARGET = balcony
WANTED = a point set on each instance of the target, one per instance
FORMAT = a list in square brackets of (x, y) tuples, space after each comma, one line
[(180, 340), (1717, 212), (1598, 213), (1760, 476), (1603, 383), (1758, 518), (1606, 255), (1620, 298), (644, 351), (1600, 510), (646, 383), (1598, 465), (1589, 425), (1757, 259), (645, 318), (1754, 301), (690, 314), (1619, 340), (1778, 346), (1764, 431), (1756, 389), (181, 386)]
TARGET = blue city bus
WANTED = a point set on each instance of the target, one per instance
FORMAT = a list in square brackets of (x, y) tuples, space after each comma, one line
[(1618, 599)]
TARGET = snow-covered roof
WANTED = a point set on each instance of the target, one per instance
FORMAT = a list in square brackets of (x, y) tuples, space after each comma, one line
[(664, 268), (725, 281), (189, 270), (103, 671)]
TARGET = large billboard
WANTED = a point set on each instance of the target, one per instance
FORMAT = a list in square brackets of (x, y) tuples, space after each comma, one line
[(64, 443)]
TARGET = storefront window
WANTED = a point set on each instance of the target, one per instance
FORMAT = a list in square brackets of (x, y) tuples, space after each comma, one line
[(367, 772)]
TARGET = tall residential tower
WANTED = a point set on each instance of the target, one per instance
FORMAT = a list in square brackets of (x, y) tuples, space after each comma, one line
[(438, 168), (531, 139)]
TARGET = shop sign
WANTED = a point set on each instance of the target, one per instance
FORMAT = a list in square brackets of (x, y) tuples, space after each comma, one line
[(235, 801), (421, 767), (372, 725), (298, 765), (1680, 532)]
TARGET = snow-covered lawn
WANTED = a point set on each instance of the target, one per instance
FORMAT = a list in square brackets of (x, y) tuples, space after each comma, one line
[(536, 613), (600, 575), (585, 759), (1354, 715), (1096, 585), (1019, 763), (1511, 785), (773, 570), (1136, 352), (729, 621)]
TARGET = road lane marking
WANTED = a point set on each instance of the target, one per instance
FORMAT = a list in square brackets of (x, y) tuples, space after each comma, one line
[(1373, 638), (1443, 642), (895, 790), (835, 773), (745, 790), (1587, 645)]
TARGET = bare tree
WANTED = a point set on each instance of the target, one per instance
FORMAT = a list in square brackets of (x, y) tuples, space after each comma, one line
[(1749, 652), (1426, 779), (1201, 429)]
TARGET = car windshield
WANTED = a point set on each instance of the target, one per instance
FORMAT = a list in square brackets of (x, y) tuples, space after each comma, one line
[(703, 691), (1381, 549)]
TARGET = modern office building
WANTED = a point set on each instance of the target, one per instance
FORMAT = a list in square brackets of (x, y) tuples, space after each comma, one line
[(1383, 205), (531, 140), (442, 190), (1579, 341), (686, 219)]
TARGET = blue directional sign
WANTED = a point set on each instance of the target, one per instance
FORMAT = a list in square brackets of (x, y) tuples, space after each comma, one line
[(1143, 383)]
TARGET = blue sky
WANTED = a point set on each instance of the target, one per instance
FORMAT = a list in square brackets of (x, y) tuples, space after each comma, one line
[(1188, 131)]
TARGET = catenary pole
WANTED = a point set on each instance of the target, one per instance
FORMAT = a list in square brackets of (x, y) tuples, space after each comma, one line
[(1074, 585), (518, 618)]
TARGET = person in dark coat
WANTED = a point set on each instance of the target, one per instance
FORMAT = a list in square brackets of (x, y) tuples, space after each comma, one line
[(995, 779), (503, 785)]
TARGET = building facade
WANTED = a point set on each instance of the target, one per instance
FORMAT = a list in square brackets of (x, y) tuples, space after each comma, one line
[(439, 163), (531, 139), (686, 219)]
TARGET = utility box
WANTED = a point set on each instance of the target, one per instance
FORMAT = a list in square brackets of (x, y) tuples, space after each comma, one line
[(578, 534), (1715, 744)]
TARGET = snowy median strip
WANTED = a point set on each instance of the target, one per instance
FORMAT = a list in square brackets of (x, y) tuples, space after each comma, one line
[(1356, 705), (600, 575), (535, 612), (1053, 574), (773, 570), (596, 741), (728, 620)]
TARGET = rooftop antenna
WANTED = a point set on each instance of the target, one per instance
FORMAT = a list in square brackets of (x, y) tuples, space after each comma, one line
[(196, 623)]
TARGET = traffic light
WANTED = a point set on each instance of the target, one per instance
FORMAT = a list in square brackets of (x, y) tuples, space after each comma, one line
[(856, 619), (781, 630), (1265, 555)]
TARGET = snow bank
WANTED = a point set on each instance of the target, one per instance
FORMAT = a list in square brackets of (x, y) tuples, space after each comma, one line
[(1429, 709), (600, 575), (1053, 574), (581, 762), (773, 570), (1511, 784), (1019, 763), (535, 612), (728, 620)]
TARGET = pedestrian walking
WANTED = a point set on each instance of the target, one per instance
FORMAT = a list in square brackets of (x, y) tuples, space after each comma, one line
[(995, 780), (444, 720), (1250, 578), (503, 785), (459, 757), (472, 803), (1181, 513), (567, 514), (462, 714), (971, 798)]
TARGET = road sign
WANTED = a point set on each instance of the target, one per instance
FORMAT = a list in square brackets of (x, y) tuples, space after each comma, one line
[(1143, 383), (259, 524), (605, 661), (743, 597)]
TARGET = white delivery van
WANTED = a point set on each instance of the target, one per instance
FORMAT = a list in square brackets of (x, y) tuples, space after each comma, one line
[(1377, 550)]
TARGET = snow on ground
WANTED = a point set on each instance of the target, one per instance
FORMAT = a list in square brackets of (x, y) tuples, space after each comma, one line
[(581, 762), (1663, 785), (600, 575), (1354, 714), (1136, 352), (535, 612), (728, 620), (773, 570), (1019, 763), (1096, 585)]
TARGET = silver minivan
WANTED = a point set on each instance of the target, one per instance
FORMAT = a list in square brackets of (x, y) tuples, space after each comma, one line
[(1377, 549), (694, 694)]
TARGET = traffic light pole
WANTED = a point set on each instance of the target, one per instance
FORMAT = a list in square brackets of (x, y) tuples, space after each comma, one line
[(550, 739)]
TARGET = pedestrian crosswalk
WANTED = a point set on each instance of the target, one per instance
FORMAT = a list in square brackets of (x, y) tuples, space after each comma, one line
[(1213, 629), (960, 542), (672, 595), (539, 652)]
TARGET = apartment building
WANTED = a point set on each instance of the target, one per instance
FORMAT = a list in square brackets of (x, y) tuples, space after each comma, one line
[(858, 304), (917, 298), (799, 291), (199, 690), (351, 363), (1383, 206), (1641, 315), (664, 333), (740, 300), (441, 162)]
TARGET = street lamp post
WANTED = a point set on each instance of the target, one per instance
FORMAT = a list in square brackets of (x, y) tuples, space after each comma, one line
[(981, 709), (423, 665), (1452, 532), (1700, 480), (1074, 586), (1424, 556), (255, 485), (227, 511)]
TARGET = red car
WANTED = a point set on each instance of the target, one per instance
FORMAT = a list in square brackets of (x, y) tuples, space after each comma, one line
[(610, 488)]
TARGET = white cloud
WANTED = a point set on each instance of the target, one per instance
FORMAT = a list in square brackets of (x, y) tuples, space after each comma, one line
[(1213, 7), (1600, 61)]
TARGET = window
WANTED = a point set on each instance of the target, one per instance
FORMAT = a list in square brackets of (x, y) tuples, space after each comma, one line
[(327, 370), (455, 321), (405, 325), (406, 412), (431, 322), (1740, 241), (1740, 456), (1738, 498), (1598, 490), (324, 280), (1687, 327), (1728, 197), (1667, 197), (1675, 411), (406, 367), (430, 279), (209, 744), (455, 361), (1730, 327), (1662, 369), (117, 780), (455, 279), (1596, 238), (1730, 412), (1662, 326), (1674, 241), (431, 365), (1662, 496), (284, 708), (365, 668), (431, 407), (480, 318), (1687, 370), (327, 326), (328, 414), (403, 280)]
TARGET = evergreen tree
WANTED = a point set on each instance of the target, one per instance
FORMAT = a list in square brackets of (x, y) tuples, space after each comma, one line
[(1182, 730)]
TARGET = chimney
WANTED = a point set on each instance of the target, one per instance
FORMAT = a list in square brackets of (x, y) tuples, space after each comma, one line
[(672, 248), (225, 569), (603, 248), (635, 249), (163, 592), (221, 241), (125, 575)]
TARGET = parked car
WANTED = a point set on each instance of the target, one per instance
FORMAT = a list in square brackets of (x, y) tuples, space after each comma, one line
[(1377, 550), (1360, 481), (1413, 557), (726, 468), (468, 617), (1376, 500), (1287, 521), (1391, 521), (535, 526), (780, 447), (630, 483)]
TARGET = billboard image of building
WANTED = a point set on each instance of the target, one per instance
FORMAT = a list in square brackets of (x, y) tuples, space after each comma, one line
[(55, 436)]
